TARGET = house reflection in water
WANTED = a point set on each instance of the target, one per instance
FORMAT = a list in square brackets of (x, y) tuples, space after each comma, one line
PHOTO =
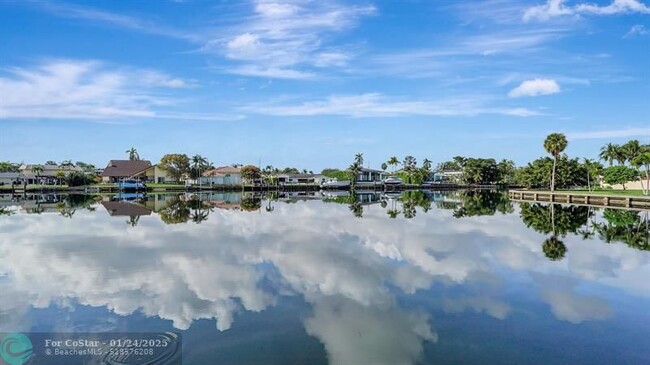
[(125, 209)]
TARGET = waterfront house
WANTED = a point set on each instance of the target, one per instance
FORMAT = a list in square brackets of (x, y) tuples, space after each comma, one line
[(154, 174), (7, 178), (288, 179), (117, 170), (48, 174), (371, 175), (224, 175)]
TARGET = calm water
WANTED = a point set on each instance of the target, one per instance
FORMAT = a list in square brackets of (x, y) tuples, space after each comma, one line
[(456, 278)]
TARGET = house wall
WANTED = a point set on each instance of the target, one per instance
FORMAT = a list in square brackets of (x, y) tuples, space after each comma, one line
[(228, 179)]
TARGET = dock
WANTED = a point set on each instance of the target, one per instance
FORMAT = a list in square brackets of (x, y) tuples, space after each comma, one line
[(585, 199)]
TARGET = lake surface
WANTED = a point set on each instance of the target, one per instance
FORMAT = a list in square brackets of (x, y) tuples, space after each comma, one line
[(417, 278)]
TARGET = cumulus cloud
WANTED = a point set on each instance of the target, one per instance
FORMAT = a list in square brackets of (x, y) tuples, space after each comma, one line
[(285, 39), (557, 8), (90, 90), (535, 87)]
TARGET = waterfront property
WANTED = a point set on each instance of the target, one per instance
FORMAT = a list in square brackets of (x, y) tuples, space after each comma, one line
[(287, 179), (117, 170), (45, 174), (154, 174), (224, 175), (371, 175), (8, 178)]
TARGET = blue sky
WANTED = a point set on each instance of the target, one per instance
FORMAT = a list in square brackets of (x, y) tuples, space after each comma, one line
[(310, 83)]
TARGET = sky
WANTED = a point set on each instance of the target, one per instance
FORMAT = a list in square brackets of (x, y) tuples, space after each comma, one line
[(310, 83)]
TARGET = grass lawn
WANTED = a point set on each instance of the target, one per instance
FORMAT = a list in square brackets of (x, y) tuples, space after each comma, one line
[(605, 192), (168, 186), (33, 186)]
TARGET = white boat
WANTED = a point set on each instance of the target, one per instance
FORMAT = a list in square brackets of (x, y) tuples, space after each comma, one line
[(335, 184), (393, 181)]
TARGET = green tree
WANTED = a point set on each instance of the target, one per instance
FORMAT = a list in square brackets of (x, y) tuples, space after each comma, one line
[(175, 164), (7, 166), (393, 161), (615, 175), (384, 166), (643, 160), (358, 158), (594, 169), (610, 153), (537, 174), (555, 144), (133, 154), (198, 165), (506, 171), (251, 173), (480, 171)]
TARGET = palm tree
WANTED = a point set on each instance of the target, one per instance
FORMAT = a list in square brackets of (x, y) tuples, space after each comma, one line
[(384, 166), (355, 169), (609, 153), (393, 161), (358, 158), (555, 144), (198, 163), (643, 159), (37, 169), (133, 154), (593, 168), (631, 149)]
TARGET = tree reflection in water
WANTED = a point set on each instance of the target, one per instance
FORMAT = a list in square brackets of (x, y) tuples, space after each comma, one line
[(626, 226), (557, 220)]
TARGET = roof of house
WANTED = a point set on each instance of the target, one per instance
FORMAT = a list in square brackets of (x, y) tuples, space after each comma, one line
[(365, 169), (9, 175), (124, 168), (27, 170), (223, 170)]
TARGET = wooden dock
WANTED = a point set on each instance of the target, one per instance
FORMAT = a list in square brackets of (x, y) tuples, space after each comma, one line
[(586, 199)]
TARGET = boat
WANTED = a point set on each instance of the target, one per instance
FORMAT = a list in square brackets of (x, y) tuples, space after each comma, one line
[(335, 184), (393, 181), (130, 184)]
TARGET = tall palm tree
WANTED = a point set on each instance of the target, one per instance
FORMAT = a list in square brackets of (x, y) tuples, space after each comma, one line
[(609, 153), (555, 144), (393, 161), (358, 158), (631, 149), (133, 154), (643, 159), (199, 164)]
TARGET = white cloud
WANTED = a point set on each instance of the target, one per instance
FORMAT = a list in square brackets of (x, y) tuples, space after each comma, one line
[(92, 90), (637, 30), (124, 21), (283, 38), (557, 8), (615, 133), (535, 87), (378, 105)]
